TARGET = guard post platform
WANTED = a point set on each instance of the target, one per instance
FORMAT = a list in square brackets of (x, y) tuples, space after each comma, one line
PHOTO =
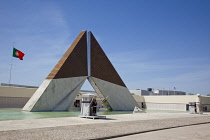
[(192, 108), (86, 109)]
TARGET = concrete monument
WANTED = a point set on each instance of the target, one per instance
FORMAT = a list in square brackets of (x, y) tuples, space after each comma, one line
[(59, 89)]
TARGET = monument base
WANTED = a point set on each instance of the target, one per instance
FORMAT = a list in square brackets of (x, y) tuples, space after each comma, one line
[(93, 117)]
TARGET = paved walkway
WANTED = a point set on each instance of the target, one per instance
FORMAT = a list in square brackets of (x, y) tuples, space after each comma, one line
[(194, 132), (80, 128)]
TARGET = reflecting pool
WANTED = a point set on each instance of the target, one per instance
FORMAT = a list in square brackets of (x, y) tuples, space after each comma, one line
[(18, 114)]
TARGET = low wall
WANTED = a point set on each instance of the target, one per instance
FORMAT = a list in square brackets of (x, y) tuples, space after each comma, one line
[(177, 102), (160, 106), (177, 99), (16, 91), (13, 102), (15, 97)]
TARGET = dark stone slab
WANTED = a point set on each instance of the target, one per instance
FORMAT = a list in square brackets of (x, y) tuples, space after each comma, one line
[(74, 61)]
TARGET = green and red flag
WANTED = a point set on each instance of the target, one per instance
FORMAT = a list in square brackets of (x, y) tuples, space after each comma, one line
[(18, 54)]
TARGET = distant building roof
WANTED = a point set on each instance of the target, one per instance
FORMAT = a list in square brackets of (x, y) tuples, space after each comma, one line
[(16, 85)]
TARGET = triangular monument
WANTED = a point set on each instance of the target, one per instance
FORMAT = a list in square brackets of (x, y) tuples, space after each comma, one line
[(84, 59)]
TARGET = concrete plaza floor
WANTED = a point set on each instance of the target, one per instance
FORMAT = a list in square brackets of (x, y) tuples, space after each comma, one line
[(113, 126), (194, 132)]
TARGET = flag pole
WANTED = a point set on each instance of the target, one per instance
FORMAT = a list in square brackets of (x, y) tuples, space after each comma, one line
[(10, 74)]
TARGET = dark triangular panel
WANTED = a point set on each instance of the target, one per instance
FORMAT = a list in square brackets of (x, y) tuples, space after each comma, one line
[(74, 61), (101, 67)]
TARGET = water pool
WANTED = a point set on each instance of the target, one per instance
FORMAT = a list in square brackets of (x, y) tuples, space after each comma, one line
[(18, 114)]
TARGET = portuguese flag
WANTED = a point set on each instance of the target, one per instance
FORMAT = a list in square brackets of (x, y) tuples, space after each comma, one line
[(18, 54)]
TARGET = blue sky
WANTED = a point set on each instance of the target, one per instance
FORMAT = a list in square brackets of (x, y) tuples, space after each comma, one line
[(151, 43)]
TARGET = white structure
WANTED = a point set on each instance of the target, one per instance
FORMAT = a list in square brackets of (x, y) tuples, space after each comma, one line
[(192, 107), (156, 92), (117, 96), (137, 110), (87, 110), (141, 92), (86, 105), (178, 102), (168, 92), (49, 98)]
